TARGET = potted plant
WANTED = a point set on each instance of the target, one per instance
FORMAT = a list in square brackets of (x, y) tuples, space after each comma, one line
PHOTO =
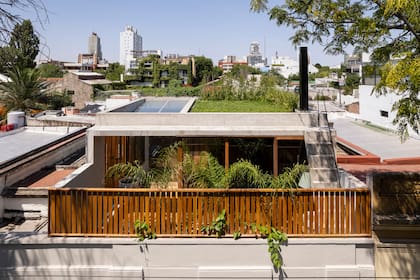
[(130, 174)]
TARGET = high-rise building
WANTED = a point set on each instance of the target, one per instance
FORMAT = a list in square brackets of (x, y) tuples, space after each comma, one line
[(131, 47), (94, 46), (254, 58)]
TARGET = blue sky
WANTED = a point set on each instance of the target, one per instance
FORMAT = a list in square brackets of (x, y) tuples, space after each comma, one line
[(213, 28)]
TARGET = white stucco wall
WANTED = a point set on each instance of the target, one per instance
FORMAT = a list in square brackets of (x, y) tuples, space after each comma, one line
[(371, 105)]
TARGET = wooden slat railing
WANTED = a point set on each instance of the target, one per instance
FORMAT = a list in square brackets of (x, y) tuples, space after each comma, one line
[(182, 212)]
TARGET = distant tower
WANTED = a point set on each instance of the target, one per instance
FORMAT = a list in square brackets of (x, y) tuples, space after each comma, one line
[(94, 45), (131, 46), (254, 57), (254, 49)]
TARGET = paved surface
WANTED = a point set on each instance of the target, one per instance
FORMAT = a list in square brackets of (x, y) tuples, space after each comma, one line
[(382, 143)]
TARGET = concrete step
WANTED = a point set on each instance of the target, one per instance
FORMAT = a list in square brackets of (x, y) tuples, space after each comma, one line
[(321, 161), (319, 149), (324, 185), (326, 175), (318, 136)]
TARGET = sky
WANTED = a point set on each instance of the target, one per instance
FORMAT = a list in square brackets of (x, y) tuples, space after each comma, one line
[(213, 28)]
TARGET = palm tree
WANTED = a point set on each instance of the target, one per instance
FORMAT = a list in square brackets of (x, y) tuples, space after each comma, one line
[(25, 91)]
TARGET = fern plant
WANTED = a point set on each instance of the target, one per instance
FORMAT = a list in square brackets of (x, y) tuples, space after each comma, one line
[(205, 173), (132, 171), (244, 174), (289, 179)]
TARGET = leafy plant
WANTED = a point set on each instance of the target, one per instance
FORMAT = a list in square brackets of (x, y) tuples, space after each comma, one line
[(275, 239), (289, 179), (237, 235), (204, 173), (131, 170), (218, 226), (244, 174), (143, 231)]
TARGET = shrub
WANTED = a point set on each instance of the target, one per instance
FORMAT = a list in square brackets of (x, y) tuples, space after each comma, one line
[(289, 179), (244, 174)]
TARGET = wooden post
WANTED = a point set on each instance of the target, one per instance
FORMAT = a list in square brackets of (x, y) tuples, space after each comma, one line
[(275, 157), (226, 154)]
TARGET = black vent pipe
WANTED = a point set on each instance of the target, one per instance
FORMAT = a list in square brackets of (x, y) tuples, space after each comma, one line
[(303, 71)]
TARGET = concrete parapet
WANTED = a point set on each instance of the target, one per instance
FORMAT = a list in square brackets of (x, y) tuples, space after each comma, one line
[(57, 258)]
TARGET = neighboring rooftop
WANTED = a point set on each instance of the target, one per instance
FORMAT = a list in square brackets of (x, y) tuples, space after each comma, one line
[(383, 143), (25, 140)]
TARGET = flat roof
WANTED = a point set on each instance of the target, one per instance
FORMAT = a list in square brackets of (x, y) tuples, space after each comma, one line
[(97, 82), (382, 143), (28, 139)]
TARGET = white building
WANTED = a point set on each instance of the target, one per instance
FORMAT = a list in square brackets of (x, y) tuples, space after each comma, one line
[(131, 46), (287, 66)]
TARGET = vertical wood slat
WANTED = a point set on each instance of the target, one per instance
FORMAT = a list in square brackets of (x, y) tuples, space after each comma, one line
[(368, 213), (91, 213), (358, 213), (51, 211), (283, 215), (158, 218), (243, 209)]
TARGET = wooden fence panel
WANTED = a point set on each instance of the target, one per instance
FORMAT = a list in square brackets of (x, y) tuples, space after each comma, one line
[(183, 212)]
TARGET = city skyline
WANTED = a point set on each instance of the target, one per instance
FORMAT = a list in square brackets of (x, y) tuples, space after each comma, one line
[(210, 28)]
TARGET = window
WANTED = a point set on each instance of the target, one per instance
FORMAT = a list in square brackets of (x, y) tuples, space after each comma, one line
[(384, 113)]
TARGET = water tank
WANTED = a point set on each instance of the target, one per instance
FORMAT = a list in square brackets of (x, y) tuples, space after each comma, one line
[(16, 118)]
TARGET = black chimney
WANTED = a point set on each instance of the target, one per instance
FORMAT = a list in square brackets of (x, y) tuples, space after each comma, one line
[(303, 71)]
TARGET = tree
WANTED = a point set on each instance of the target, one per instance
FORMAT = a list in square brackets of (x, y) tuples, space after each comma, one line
[(351, 82), (203, 70), (22, 49), (390, 29), (114, 71), (9, 15), (49, 70), (24, 92), (24, 44)]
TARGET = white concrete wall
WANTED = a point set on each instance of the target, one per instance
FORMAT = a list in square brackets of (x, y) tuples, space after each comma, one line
[(208, 258), (90, 174), (27, 204), (370, 105)]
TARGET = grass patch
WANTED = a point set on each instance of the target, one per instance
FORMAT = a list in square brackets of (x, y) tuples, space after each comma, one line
[(237, 106)]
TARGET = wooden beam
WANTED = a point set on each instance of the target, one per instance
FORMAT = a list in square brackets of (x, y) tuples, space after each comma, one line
[(290, 137)]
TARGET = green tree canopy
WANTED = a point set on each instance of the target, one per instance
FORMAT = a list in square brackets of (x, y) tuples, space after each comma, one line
[(390, 29), (114, 71), (203, 70), (25, 44), (49, 70), (22, 49)]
